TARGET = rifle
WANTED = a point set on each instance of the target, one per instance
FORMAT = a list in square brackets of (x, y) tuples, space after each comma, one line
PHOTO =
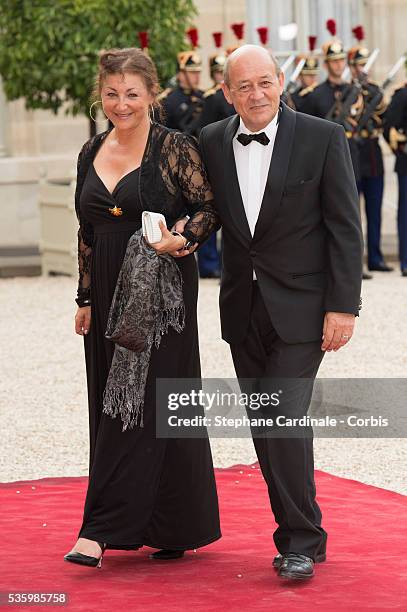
[(287, 63), (378, 97), (292, 83), (342, 109), (394, 70)]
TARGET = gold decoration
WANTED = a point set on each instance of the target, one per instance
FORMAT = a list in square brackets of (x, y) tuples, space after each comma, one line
[(396, 137), (336, 47), (189, 60), (183, 57), (220, 60), (116, 212)]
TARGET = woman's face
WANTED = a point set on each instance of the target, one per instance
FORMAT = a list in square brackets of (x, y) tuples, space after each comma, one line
[(126, 100)]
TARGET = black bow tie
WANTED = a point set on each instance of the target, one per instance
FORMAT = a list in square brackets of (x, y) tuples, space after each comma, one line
[(246, 139)]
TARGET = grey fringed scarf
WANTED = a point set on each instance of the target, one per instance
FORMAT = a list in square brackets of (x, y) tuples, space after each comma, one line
[(147, 299)]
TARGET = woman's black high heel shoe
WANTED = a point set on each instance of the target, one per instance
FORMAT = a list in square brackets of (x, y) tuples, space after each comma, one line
[(166, 554), (80, 559)]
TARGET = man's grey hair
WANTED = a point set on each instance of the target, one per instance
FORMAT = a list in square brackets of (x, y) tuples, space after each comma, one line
[(226, 67)]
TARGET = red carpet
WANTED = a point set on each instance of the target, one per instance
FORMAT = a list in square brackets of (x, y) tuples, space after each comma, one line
[(366, 567)]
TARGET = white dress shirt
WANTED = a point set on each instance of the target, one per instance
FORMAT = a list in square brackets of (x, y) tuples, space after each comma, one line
[(252, 166)]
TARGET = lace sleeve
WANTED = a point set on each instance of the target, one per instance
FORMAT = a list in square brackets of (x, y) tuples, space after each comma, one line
[(188, 169), (85, 239), (84, 263)]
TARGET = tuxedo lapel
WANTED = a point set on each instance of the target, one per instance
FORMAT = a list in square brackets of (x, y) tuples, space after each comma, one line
[(235, 202), (277, 172)]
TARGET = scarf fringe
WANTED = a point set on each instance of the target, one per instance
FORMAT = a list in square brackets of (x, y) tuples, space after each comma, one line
[(127, 402), (174, 317)]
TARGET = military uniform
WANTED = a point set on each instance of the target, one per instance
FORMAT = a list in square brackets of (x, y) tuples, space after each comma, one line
[(371, 180), (371, 157), (320, 102), (326, 101), (295, 99), (371, 168), (395, 128), (216, 106), (183, 106), (182, 109), (395, 133), (298, 96)]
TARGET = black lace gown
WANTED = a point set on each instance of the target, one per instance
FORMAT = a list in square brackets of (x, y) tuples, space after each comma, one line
[(142, 490)]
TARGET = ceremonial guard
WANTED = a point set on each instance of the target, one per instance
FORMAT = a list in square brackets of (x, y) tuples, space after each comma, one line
[(395, 133), (366, 135), (183, 104), (337, 100), (308, 77), (216, 107)]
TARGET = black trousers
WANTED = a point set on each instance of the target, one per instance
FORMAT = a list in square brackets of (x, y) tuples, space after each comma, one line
[(287, 464)]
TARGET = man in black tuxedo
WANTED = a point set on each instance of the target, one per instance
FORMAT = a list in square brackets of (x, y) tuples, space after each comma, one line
[(286, 194)]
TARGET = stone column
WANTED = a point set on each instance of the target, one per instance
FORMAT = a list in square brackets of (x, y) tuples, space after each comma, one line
[(301, 13)]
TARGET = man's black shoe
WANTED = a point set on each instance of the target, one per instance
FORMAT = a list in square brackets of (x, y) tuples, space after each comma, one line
[(320, 558), (296, 567), (366, 276), (404, 272), (381, 268)]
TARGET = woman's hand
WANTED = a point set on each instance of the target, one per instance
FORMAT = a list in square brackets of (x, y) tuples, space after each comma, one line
[(82, 320), (180, 224), (169, 243)]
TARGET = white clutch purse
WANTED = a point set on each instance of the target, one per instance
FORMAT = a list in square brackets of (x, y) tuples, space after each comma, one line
[(150, 227)]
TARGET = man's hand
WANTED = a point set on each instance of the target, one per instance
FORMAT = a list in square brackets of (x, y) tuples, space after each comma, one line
[(338, 330), (179, 227)]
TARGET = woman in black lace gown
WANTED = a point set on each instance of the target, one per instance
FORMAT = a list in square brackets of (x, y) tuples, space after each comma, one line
[(142, 490)]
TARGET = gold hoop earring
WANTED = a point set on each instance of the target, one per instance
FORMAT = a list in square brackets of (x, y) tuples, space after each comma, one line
[(151, 113), (90, 110)]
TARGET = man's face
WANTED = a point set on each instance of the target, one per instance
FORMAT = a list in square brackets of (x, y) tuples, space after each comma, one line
[(336, 67), (217, 76), (189, 78), (357, 72), (308, 79), (254, 89)]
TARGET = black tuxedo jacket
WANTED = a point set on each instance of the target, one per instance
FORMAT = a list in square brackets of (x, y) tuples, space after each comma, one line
[(307, 245)]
